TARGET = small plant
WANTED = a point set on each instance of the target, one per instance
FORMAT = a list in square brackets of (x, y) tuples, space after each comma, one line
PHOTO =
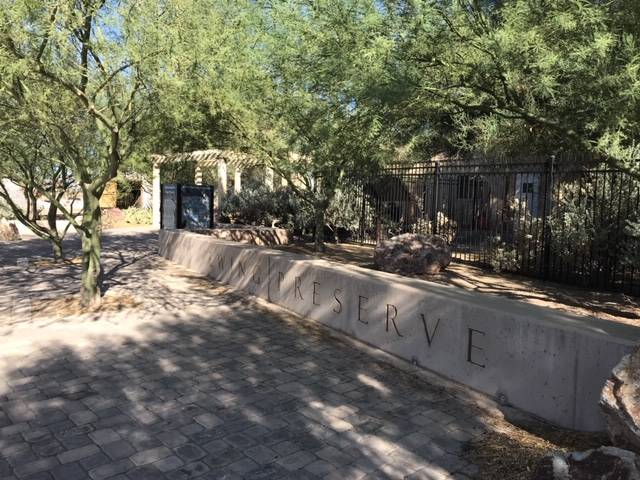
[(263, 207), (504, 258), (138, 216)]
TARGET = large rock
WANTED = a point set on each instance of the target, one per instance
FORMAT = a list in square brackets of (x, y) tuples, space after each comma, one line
[(411, 253), (604, 463), (8, 231), (620, 402)]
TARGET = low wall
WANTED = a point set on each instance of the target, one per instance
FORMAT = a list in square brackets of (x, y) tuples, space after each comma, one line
[(540, 360), (248, 234)]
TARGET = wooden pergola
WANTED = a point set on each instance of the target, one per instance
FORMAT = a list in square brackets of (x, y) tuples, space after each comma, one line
[(221, 160)]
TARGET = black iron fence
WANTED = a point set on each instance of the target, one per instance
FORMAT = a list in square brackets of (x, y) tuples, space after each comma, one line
[(547, 219)]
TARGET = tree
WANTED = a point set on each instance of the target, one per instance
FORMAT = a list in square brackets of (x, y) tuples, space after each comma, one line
[(35, 154), (99, 56), (29, 161), (319, 108), (527, 75)]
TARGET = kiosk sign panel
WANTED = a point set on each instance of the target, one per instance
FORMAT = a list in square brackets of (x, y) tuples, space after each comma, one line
[(186, 206), (196, 206), (169, 206)]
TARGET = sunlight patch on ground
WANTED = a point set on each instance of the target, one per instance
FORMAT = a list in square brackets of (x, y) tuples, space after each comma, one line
[(373, 383)]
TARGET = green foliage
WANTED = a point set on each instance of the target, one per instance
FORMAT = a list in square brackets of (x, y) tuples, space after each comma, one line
[(631, 249), (343, 212), (258, 205), (138, 216), (527, 76), (264, 207), (524, 243), (594, 220), (5, 210), (315, 108), (503, 258), (314, 89)]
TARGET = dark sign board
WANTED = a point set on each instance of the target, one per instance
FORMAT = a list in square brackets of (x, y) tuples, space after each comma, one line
[(169, 206), (196, 206), (186, 206)]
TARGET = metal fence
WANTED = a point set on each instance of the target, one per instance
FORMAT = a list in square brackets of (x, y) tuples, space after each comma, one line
[(547, 219)]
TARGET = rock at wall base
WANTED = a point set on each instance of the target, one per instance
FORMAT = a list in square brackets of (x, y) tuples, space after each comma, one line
[(411, 253), (8, 231), (620, 402), (604, 463)]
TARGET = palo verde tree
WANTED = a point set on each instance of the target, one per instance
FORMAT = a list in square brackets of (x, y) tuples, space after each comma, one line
[(527, 75), (38, 148), (30, 160), (100, 55), (320, 108), (212, 57)]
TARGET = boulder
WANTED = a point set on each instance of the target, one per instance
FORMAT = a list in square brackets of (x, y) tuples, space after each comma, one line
[(620, 402), (604, 463), (8, 231), (412, 253)]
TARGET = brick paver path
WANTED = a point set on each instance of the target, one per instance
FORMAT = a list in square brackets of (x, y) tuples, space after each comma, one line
[(201, 382)]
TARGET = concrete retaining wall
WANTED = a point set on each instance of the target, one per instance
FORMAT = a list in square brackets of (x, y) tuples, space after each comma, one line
[(267, 236), (540, 360)]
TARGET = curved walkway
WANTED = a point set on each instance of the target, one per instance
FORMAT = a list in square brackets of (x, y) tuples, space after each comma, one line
[(187, 379)]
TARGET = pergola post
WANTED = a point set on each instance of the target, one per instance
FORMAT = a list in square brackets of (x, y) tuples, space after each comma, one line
[(155, 195), (237, 180), (198, 175), (221, 189)]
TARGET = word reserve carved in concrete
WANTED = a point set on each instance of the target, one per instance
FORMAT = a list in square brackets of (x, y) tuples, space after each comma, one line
[(472, 338), (547, 362)]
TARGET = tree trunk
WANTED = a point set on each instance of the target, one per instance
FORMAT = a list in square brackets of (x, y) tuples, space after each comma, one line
[(54, 237), (319, 234), (58, 254), (91, 249)]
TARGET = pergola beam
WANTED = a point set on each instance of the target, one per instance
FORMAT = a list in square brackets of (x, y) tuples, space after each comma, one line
[(220, 159)]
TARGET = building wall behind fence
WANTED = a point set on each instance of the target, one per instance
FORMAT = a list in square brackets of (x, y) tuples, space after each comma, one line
[(543, 361)]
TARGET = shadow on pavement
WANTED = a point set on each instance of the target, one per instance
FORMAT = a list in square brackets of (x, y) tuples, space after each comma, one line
[(218, 386)]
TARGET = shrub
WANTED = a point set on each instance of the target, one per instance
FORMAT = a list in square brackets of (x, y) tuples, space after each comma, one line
[(502, 257), (282, 208), (138, 216), (263, 207), (592, 222), (523, 242)]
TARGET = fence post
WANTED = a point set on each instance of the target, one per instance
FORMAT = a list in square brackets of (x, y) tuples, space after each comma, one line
[(362, 213), (547, 210), (434, 200), (378, 208)]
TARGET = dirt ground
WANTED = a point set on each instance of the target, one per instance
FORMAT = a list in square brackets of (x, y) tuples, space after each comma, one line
[(579, 301)]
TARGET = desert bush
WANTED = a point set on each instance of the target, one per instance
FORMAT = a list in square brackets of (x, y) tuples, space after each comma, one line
[(264, 207), (631, 248), (524, 239), (261, 206), (138, 216), (591, 221), (447, 227), (502, 256)]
